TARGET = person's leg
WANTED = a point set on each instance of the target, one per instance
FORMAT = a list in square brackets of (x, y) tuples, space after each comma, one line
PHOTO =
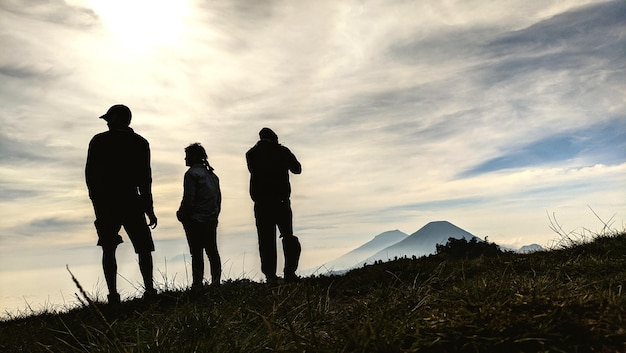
[(212, 253), (134, 222), (146, 267), (194, 239), (284, 218), (291, 251), (266, 231), (108, 225), (109, 266), (291, 244)]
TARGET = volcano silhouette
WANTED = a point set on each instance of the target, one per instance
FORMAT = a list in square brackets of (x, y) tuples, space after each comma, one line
[(423, 242)]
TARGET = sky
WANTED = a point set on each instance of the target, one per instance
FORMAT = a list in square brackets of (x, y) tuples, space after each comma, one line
[(494, 116)]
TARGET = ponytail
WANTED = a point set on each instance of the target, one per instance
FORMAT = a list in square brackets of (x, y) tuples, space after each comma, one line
[(206, 164)]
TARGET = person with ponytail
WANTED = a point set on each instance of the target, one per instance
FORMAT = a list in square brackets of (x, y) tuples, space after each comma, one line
[(199, 211)]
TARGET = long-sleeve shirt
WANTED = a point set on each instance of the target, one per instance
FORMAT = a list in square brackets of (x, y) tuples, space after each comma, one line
[(202, 198), (118, 169), (269, 164)]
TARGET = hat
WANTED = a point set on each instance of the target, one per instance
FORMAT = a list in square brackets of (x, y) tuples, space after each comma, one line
[(267, 133), (119, 114)]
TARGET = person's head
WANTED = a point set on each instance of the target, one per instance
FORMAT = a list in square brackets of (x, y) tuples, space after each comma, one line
[(195, 154), (267, 134), (118, 116)]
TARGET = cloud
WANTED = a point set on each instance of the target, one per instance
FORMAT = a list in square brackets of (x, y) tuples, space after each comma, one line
[(12, 194), (56, 11), (482, 85), (20, 72), (14, 150), (442, 204), (577, 30), (567, 42), (52, 224), (601, 143)]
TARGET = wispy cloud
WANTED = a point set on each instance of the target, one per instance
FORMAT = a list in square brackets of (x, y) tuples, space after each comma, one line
[(603, 143)]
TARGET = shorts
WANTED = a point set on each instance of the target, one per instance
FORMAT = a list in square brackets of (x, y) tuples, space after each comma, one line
[(110, 219)]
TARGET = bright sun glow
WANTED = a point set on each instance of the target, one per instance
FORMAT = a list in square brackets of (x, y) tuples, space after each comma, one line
[(142, 25)]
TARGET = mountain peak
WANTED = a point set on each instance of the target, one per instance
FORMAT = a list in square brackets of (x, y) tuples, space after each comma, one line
[(440, 227), (366, 250), (395, 243), (422, 242), (531, 248), (390, 233)]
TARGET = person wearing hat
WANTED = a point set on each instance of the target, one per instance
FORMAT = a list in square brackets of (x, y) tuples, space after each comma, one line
[(119, 180), (269, 164)]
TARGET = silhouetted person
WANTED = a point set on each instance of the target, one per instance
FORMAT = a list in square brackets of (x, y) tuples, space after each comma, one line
[(269, 164), (199, 211), (119, 180)]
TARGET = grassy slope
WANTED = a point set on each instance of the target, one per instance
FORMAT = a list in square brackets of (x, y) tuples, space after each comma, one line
[(567, 300)]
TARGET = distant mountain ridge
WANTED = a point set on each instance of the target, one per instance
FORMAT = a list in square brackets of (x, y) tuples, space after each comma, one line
[(391, 244), (422, 242), (356, 256), (531, 248)]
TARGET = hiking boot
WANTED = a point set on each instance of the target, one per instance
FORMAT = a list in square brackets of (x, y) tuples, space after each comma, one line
[(292, 278), (114, 299), (149, 294), (274, 280)]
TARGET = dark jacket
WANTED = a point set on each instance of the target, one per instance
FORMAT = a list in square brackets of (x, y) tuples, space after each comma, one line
[(118, 169), (269, 164), (202, 198)]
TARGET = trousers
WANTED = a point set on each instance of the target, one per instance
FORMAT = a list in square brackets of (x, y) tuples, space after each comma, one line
[(202, 237), (269, 215)]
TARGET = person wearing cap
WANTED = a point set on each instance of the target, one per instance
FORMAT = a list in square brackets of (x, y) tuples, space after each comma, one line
[(269, 164), (119, 180), (199, 211)]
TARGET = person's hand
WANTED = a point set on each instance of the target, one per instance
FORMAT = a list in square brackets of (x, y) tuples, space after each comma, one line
[(153, 220)]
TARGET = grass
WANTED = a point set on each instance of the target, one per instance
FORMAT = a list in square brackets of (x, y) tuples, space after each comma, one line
[(568, 299)]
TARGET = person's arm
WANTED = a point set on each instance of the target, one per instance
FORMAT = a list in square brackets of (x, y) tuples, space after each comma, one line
[(88, 171), (294, 165), (92, 175), (145, 186), (189, 194), (219, 195), (249, 160)]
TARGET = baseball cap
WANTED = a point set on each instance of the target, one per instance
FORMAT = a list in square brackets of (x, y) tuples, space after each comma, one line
[(118, 113)]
